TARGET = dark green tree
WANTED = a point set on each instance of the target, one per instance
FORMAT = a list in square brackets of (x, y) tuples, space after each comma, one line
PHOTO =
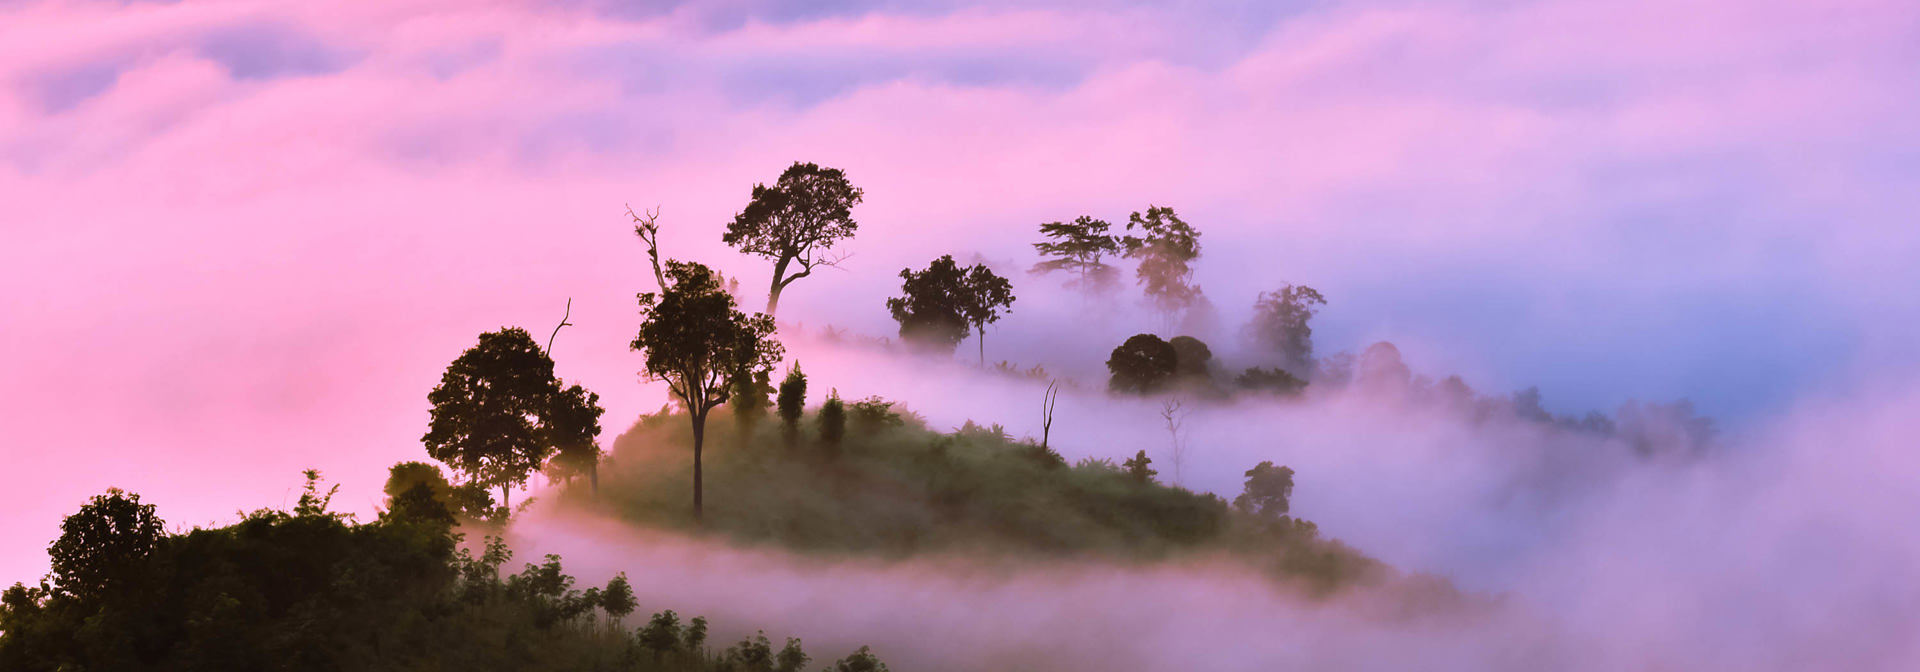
[(1274, 381), (499, 413), (1078, 248), (1165, 251), (1139, 469), (1191, 357), (862, 660), (933, 311), (791, 658), (617, 600), (1279, 325), (575, 424), (1142, 365), (798, 220), (833, 419), (1267, 490), (104, 547), (695, 339), (988, 296), (793, 401)]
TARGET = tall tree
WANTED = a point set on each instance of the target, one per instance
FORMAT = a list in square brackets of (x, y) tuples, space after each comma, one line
[(988, 296), (1165, 250), (933, 311), (1078, 247), (796, 221), (1280, 326), (499, 413), (695, 339), (1267, 490), (793, 402)]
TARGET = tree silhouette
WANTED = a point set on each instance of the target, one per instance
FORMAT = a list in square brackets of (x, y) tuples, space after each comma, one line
[(1267, 490), (1078, 248), (940, 304), (1280, 326), (1191, 357), (833, 419), (1141, 365), (988, 296), (102, 547), (1138, 468), (793, 401), (796, 221), (695, 339), (1165, 250), (499, 412)]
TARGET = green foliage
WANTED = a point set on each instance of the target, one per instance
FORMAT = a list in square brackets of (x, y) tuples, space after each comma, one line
[(1078, 248), (1142, 365), (833, 420), (314, 591), (1280, 327), (933, 311), (912, 490), (988, 297), (874, 415), (860, 661), (499, 413), (470, 500), (793, 401), (695, 340), (1267, 490), (798, 220)]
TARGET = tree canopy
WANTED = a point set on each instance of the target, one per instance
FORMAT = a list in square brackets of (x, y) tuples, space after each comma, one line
[(940, 303), (499, 413), (1267, 490), (1141, 365), (696, 340), (1279, 325), (1165, 251), (1078, 247), (798, 220)]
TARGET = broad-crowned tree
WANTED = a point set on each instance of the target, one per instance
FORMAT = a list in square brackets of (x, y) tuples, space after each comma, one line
[(1165, 251), (696, 340), (1267, 490), (103, 546), (499, 413), (1078, 247), (1279, 325), (933, 311), (798, 220), (1141, 365), (1191, 357)]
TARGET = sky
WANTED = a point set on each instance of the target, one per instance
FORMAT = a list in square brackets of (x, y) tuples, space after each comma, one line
[(243, 238)]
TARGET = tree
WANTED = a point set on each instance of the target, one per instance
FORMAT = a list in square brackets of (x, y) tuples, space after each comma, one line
[(833, 419), (1191, 356), (575, 427), (102, 548), (499, 413), (988, 296), (1078, 248), (796, 221), (1380, 369), (617, 600), (1165, 250), (695, 340), (1138, 468), (1141, 365), (1279, 325), (1273, 381), (933, 311), (1267, 490), (793, 401)]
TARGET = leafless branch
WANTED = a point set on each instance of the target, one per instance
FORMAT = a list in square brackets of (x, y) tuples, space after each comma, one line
[(563, 323), (1046, 411), (647, 227)]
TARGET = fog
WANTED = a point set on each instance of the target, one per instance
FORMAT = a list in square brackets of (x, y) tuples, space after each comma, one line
[(1787, 545)]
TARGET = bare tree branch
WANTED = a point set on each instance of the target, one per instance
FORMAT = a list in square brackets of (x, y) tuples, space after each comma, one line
[(648, 229), (563, 323)]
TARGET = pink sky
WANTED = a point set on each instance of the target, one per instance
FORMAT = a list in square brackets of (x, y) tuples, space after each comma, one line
[(243, 238)]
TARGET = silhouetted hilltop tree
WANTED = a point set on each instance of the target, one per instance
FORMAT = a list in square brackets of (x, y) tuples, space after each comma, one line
[(102, 549), (798, 220), (1142, 365), (1267, 490), (1165, 252), (1078, 248), (575, 433), (940, 303), (470, 500), (695, 339), (499, 413), (833, 420), (1280, 325), (1139, 468), (1381, 369)]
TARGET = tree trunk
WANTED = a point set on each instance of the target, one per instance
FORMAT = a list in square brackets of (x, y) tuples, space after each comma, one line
[(773, 294), (983, 348), (506, 498), (699, 439)]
